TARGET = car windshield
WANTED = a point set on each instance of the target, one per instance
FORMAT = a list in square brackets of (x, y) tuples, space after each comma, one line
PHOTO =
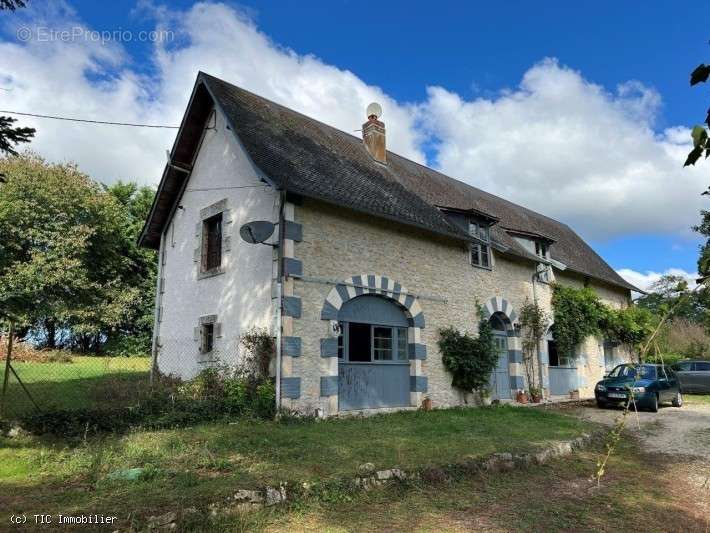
[(630, 371)]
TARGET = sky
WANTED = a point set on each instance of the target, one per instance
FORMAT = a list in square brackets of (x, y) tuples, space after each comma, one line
[(580, 111)]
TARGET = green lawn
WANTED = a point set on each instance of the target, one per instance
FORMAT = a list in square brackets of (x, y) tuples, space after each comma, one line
[(696, 399), (85, 382), (198, 465), (639, 492)]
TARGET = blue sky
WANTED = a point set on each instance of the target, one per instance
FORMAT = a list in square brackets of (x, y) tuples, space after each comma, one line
[(473, 47), (435, 63)]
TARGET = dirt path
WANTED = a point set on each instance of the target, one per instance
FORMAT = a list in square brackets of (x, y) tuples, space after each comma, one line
[(673, 431), (682, 435)]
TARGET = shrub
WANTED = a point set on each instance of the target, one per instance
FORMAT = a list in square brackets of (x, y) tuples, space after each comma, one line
[(236, 394), (25, 352), (208, 384), (470, 359), (265, 400), (171, 403), (684, 339), (123, 345), (260, 348)]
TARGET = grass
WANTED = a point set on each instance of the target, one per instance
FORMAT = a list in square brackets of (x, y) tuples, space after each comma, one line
[(198, 465), (640, 492), (85, 382), (696, 399)]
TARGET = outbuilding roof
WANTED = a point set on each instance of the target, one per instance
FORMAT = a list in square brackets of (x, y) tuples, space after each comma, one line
[(309, 158)]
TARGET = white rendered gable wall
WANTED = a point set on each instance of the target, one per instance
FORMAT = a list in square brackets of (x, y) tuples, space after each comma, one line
[(241, 296)]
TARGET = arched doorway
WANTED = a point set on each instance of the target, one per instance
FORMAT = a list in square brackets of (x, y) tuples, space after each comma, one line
[(500, 377), (373, 359)]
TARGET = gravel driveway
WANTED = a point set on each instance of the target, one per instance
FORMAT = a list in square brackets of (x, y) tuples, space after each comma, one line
[(676, 431), (681, 434)]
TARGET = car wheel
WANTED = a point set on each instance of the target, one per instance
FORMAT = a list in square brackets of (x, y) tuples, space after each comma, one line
[(678, 400), (601, 404), (654, 404)]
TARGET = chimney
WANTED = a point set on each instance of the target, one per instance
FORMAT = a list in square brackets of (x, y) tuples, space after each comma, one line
[(373, 134)]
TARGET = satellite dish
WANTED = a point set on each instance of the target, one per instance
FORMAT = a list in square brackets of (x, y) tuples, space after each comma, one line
[(374, 110), (257, 231)]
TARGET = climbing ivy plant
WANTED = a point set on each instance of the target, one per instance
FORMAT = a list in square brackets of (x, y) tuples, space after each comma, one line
[(469, 359), (580, 313)]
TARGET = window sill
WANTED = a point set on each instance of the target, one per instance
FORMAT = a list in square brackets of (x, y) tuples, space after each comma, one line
[(210, 273), (481, 267)]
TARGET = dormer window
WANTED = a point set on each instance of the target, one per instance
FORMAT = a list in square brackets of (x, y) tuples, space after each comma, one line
[(544, 271), (480, 251), (480, 230), (541, 249)]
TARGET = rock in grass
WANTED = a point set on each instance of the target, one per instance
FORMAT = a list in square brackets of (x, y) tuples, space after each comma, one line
[(164, 521), (126, 474), (366, 469), (275, 496), (248, 496)]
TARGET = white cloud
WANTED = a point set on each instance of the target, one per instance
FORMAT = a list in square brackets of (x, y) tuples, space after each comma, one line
[(644, 280), (87, 79), (556, 143), (564, 146)]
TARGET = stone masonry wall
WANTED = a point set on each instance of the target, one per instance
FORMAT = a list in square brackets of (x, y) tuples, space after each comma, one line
[(338, 244)]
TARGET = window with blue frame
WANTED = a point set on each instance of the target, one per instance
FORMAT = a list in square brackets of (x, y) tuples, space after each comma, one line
[(367, 343)]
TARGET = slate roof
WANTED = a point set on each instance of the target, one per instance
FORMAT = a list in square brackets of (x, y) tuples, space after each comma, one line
[(318, 161)]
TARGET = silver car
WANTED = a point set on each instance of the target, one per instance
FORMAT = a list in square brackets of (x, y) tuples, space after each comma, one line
[(693, 376)]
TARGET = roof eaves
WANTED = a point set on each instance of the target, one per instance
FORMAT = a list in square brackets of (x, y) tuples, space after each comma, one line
[(525, 233)]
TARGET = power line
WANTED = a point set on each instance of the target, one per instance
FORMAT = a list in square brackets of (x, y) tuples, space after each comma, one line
[(70, 119)]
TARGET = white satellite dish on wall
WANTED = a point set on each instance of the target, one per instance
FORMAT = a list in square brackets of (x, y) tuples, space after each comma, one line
[(374, 110)]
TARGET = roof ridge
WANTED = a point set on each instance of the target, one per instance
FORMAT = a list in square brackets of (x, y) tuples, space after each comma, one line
[(320, 160), (390, 152)]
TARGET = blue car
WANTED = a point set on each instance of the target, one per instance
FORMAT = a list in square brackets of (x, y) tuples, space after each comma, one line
[(651, 386)]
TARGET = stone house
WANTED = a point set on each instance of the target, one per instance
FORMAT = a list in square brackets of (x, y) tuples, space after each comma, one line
[(371, 256)]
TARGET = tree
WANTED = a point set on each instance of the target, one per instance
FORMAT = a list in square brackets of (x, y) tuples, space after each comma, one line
[(701, 144), (664, 294), (12, 5), (134, 334), (11, 136), (45, 235), (68, 258)]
